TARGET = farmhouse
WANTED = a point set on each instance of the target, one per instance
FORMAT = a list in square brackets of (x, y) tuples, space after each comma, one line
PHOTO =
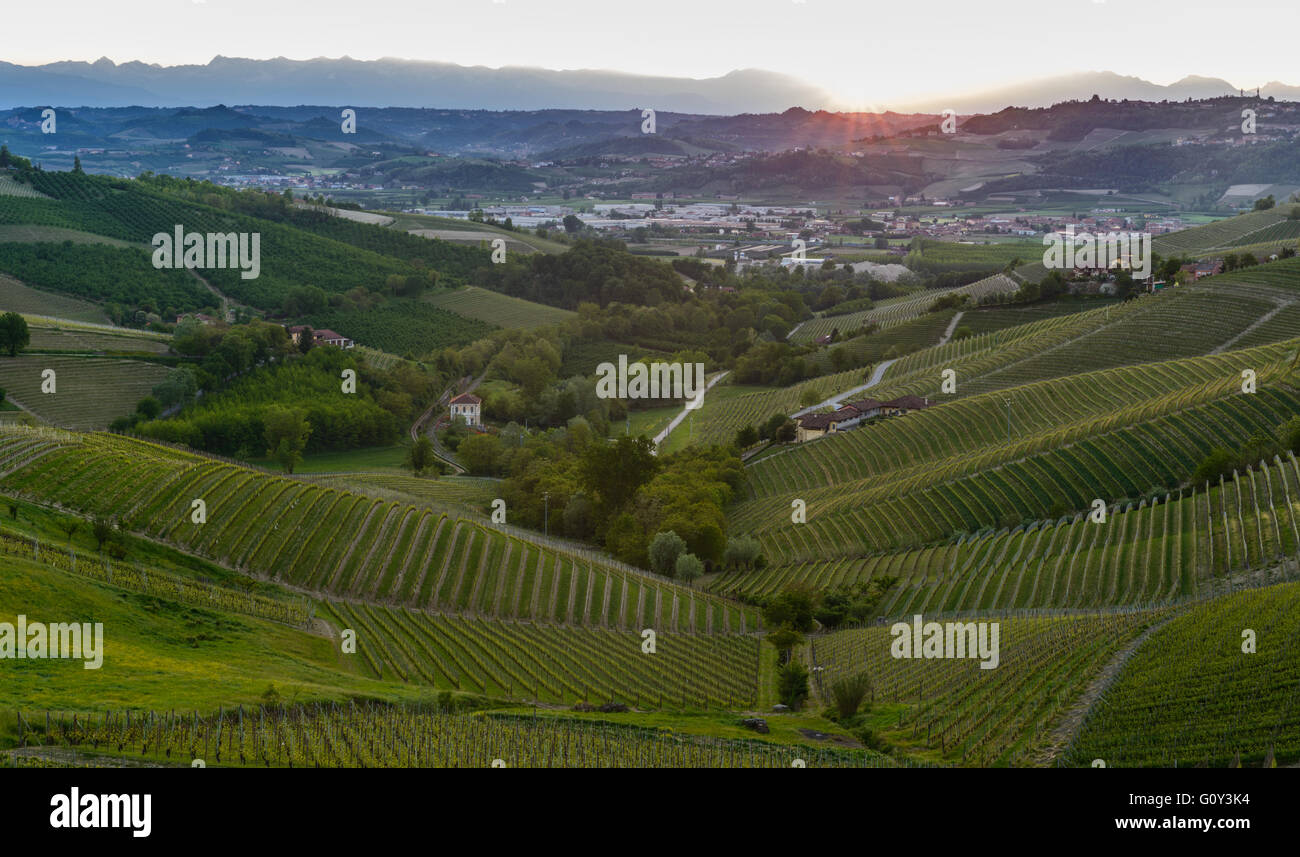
[(812, 426), (851, 415), (902, 405), (324, 336), (467, 407)]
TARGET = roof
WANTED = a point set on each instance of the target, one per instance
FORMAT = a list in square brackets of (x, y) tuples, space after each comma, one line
[(847, 412), (911, 403), (816, 421), (466, 399), (326, 333)]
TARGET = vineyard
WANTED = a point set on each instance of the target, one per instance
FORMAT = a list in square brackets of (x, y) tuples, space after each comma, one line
[(346, 544), (971, 434), (330, 736), (1190, 696), (1156, 550), (89, 392), (553, 663), (963, 714), (16, 297), (160, 584), (903, 308), (497, 309)]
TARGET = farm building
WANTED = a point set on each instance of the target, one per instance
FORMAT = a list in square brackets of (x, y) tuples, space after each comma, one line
[(467, 407), (324, 336)]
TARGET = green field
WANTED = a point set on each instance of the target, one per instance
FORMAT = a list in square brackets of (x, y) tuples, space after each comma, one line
[(16, 297), (89, 392), (497, 309)]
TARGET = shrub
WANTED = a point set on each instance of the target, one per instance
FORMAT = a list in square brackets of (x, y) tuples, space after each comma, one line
[(792, 685), (849, 692)]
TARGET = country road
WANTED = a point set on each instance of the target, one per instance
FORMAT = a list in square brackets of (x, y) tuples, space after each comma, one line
[(677, 420), (834, 401)]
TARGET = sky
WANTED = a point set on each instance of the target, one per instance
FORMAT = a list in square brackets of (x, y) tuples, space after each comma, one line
[(866, 53)]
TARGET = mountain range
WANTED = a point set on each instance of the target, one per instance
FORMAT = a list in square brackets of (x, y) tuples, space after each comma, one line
[(409, 83)]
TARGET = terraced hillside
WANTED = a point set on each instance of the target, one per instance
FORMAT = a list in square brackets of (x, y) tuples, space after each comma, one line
[(1148, 551), (959, 713), (89, 392), (1191, 695), (553, 663), (897, 310), (345, 544)]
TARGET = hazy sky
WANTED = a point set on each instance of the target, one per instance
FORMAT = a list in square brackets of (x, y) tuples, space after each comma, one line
[(865, 52)]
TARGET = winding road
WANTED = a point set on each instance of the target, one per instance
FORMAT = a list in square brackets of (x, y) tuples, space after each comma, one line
[(834, 401)]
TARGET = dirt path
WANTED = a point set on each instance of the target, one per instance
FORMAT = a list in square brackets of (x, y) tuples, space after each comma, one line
[(952, 327), (1068, 727), (1263, 319)]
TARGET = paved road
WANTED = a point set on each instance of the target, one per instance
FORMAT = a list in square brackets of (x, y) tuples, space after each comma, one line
[(677, 420), (834, 401)]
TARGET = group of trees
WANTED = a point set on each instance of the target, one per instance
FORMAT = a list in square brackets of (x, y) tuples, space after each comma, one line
[(280, 403), (1221, 461)]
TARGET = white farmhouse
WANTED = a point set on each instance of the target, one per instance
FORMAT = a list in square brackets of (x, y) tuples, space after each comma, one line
[(467, 407)]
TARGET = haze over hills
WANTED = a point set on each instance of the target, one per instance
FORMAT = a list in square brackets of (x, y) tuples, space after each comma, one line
[(410, 83), (393, 83)]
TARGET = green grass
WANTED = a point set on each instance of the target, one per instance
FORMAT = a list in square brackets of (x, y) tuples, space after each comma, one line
[(165, 655)]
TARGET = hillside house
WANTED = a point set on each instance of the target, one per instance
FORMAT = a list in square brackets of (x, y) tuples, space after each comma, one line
[(812, 426), (902, 405), (467, 408), (324, 336)]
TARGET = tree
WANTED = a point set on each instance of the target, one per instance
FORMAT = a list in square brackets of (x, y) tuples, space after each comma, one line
[(102, 529), (149, 408), (177, 388), (783, 639), (481, 454), (420, 456), (787, 432), (689, 567), (306, 339), (4, 156), (615, 471), (1219, 462), (742, 552), (665, 549), (14, 335), (572, 224), (792, 684), (793, 607), (746, 437), (286, 432), (76, 164)]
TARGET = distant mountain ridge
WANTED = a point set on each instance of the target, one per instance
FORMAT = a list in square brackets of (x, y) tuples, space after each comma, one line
[(393, 83), (410, 83), (1045, 92)]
